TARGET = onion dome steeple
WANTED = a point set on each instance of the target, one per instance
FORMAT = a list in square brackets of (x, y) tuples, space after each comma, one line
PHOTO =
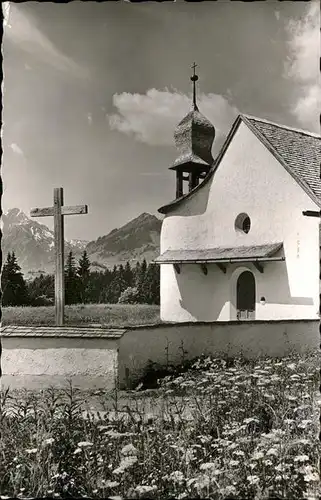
[(194, 137)]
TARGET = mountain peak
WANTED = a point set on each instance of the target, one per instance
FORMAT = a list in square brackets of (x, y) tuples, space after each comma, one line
[(16, 216), (144, 217), (136, 240), (34, 242)]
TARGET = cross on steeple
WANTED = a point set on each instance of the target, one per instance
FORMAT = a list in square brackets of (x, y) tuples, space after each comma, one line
[(194, 79)]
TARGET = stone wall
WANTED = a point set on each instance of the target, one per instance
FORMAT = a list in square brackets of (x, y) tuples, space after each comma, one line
[(165, 343), (40, 357)]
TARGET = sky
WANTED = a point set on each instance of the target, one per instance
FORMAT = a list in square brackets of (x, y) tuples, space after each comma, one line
[(92, 93)]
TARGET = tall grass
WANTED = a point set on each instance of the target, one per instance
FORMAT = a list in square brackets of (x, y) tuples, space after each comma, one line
[(221, 429), (111, 315)]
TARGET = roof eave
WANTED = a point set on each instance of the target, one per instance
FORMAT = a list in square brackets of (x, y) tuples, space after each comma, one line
[(268, 255), (220, 261)]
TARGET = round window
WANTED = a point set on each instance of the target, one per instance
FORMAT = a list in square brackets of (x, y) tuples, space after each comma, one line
[(243, 223)]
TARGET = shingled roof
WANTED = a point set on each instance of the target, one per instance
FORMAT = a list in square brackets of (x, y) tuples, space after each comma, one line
[(298, 151), (222, 254), (61, 331)]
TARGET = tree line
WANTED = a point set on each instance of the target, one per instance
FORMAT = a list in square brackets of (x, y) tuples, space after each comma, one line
[(123, 284)]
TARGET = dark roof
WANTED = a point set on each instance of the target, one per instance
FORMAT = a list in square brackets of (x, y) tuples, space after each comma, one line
[(194, 137), (297, 150), (61, 331), (221, 254)]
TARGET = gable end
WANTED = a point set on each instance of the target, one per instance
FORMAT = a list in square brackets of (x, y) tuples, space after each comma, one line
[(298, 178), (308, 178)]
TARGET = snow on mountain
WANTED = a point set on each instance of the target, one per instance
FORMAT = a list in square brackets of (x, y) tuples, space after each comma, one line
[(81, 244), (33, 243)]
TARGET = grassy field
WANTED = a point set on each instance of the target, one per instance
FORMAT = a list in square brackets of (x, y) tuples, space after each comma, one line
[(114, 315), (223, 429)]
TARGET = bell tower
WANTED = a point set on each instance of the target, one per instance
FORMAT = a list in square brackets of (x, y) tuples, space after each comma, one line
[(194, 137)]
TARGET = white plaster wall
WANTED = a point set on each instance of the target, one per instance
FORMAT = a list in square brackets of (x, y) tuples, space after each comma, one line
[(251, 339), (249, 179), (193, 296), (37, 363)]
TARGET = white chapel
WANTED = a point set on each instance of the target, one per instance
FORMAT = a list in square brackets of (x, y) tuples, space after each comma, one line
[(235, 244)]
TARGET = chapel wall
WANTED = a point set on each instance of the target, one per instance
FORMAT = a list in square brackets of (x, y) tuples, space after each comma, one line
[(181, 301), (249, 179)]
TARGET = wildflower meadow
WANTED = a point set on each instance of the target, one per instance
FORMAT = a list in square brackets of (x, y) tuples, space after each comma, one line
[(219, 429)]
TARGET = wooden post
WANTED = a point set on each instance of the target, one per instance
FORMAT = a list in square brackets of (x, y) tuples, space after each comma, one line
[(192, 181), (58, 211), (179, 184), (59, 257)]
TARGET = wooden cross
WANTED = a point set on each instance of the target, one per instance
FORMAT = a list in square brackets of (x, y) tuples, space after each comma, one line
[(58, 211)]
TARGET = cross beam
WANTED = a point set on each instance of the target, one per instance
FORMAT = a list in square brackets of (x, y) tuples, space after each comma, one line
[(65, 210), (58, 211), (312, 213)]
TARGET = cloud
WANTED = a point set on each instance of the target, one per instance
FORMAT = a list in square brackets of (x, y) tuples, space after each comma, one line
[(303, 66), (16, 149), (23, 32), (152, 117)]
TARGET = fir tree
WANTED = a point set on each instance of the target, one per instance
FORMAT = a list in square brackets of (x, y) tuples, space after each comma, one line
[(13, 285), (121, 272), (117, 285), (95, 288), (83, 272), (143, 269), (41, 290), (128, 275), (140, 282), (155, 284), (136, 273), (105, 295), (71, 281), (150, 286)]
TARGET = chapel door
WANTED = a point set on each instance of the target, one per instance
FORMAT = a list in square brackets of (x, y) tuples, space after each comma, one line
[(245, 296)]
